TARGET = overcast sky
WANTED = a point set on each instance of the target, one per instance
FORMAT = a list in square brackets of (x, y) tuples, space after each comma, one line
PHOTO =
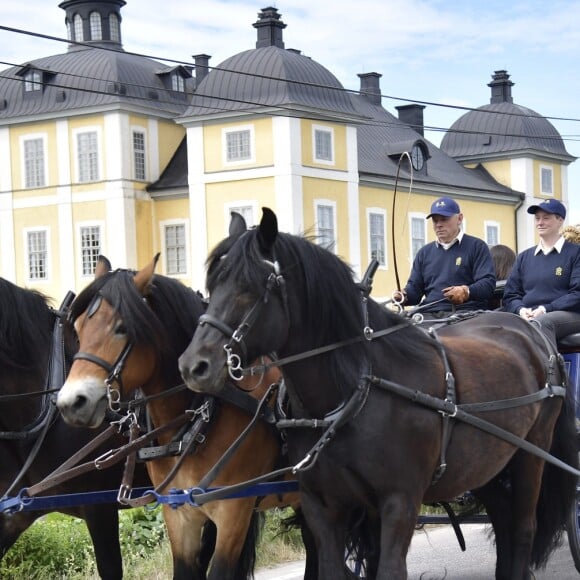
[(436, 51)]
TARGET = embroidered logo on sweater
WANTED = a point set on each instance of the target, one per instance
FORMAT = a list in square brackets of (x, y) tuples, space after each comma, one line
[(559, 271), (458, 261)]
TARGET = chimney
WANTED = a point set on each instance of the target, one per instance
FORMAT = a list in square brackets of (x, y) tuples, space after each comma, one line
[(501, 87), (370, 87), (412, 115), (269, 27), (201, 67)]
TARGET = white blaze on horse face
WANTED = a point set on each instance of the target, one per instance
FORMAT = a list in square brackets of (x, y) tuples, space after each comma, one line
[(82, 401)]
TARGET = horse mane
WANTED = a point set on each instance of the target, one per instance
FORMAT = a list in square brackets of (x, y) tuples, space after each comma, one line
[(26, 326), (165, 320), (324, 299)]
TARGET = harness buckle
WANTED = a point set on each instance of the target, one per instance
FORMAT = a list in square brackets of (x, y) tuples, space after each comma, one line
[(453, 406), (368, 332), (124, 494), (114, 398)]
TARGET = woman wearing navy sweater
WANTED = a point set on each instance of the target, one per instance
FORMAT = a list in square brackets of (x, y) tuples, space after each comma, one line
[(544, 284)]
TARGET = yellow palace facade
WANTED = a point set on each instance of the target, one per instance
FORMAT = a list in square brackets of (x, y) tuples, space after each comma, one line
[(105, 152)]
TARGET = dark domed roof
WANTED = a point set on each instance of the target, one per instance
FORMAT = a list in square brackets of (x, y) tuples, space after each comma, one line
[(270, 76), (91, 77), (502, 127)]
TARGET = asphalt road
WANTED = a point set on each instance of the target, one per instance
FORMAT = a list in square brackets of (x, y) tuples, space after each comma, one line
[(435, 555)]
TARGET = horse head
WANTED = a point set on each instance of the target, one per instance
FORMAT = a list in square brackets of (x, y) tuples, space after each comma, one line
[(246, 287), (123, 321)]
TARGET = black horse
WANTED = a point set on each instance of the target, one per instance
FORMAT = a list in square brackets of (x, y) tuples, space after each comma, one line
[(350, 361), (26, 344)]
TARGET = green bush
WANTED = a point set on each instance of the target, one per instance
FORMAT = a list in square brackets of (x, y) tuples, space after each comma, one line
[(59, 546)]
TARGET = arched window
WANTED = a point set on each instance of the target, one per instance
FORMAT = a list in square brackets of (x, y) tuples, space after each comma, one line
[(78, 28), (69, 34), (114, 31), (96, 30)]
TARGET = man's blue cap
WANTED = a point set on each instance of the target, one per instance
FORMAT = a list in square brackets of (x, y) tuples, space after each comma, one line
[(444, 206), (549, 206)]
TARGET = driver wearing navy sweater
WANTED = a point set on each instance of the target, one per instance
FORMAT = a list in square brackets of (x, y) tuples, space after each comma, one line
[(455, 272), (544, 284)]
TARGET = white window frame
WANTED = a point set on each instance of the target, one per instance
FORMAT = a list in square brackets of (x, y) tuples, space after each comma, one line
[(226, 132), (492, 224), (81, 131), (114, 29), (136, 152), (549, 169), (78, 28), (420, 217), (32, 81), (377, 211), (95, 26), (330, 131), (243, 207), (48, 263), (177, 82), (318, 203), (23, 140), (80, 227), (163, 225)]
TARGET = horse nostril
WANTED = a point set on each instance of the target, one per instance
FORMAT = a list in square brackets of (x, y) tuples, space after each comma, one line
[(200, 369), (79, 403)]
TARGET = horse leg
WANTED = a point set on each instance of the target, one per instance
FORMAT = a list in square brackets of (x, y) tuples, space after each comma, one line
[(398, 517), (184, 529), (526, 472), (233, 519), (496, 498), (327, 526), (103, 524)]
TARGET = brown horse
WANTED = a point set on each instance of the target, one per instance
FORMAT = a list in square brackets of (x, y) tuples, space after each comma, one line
[(365, 370), (155, 316), (28, 421)]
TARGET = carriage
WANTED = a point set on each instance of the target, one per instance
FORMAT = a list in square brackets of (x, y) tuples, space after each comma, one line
[(92, 308)]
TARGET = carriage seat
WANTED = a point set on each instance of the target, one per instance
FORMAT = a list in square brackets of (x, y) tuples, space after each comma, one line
[(570, 343)]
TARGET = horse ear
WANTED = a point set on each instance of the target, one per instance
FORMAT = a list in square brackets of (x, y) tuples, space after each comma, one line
[(237, 224), (268, 229), (144, 277), (103, 266)]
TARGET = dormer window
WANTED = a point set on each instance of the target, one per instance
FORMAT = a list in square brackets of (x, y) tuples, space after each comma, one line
[(78, 28), (32, 81), (177, 83), (114, 29), (417, 151), (95, 25)]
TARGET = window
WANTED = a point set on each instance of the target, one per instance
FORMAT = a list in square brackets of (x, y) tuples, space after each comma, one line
[(88, 158), (325, 226), (78, 27), (114, 28), (90, 248), (492, 233), (69, 33), (95, 24), (139, 154), (32, 81), (377, 236), (177, 83), (34, 162), (323, 145), (547, 180), (175, 249), (37, 247), (246, 211), (238, 145), (418, 234)]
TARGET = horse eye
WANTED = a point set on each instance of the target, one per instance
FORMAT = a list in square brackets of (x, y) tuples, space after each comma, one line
[(120, 328)]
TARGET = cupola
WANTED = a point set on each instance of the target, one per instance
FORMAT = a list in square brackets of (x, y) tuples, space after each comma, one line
[(93, 23)]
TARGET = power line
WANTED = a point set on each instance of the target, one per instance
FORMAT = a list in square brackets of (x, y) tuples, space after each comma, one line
[(290, 109)]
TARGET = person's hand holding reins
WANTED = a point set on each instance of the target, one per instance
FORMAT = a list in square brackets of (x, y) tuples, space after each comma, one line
[(456, 294)]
